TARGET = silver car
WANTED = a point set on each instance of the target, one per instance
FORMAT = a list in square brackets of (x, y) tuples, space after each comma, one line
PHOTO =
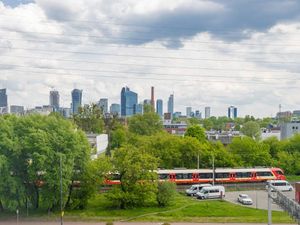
[(245, 199)]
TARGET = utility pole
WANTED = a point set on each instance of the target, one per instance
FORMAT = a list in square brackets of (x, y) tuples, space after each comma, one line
[(269, 205), (213, 165), (61, 191), (198, 162)]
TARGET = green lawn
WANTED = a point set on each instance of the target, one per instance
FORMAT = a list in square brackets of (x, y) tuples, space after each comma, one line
[(293, 178), (184, 209)]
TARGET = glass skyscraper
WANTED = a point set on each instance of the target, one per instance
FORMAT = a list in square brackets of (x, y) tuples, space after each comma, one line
[(128, 101), (115, 109), (54, 100), (159, 107), (232, 112), (103, 105), (3, 98), (76, 100), (171, 105)]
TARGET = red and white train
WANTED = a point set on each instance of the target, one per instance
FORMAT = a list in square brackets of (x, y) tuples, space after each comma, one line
[(221, 175)]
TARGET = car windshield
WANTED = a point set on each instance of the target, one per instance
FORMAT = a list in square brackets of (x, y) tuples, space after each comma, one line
[(244, 196)]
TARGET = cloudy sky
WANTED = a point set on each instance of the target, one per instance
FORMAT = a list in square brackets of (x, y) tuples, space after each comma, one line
[(214, 53)]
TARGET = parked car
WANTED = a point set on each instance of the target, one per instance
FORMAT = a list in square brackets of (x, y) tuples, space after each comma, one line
[(245, 199), (280, 185), (196, 188), (211, 192)]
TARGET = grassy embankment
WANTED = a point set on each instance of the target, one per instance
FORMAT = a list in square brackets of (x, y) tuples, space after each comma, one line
[(184, 209)]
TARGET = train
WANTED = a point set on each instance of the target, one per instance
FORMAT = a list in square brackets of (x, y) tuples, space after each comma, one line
[(219, 175)]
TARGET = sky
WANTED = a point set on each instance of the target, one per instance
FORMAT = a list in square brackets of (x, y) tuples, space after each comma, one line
[(213, 53)]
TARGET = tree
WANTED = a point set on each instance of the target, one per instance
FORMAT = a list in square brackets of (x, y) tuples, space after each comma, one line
[(197, 132), (90, 119), (145, 124), (165, 194), (136, 169), (251, 129), (248, 152)]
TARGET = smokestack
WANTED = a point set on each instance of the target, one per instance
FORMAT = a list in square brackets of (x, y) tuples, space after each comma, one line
[(152, 98)]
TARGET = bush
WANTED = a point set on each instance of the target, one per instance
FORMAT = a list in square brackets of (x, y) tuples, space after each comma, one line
[(109, 223), (166, 193)]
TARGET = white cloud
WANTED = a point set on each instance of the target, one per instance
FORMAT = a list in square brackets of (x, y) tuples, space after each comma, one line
[(206, 70)]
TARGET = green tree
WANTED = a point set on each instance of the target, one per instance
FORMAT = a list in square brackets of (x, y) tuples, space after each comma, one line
[(145, 124), (136, 169), (251, 129), (166, 193), (197, 132), (90, 119), (248, 152)]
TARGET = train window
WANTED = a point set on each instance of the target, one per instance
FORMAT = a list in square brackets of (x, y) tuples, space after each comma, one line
[(179, 176), (279, 172), (264, 174), (187, 176), (163, 176), (205, 175), (222, 175), (243, 174), (116, 177)]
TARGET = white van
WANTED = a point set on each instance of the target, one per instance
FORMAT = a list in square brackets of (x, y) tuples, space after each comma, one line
[(211, 192), (280, 185), (196, 188)]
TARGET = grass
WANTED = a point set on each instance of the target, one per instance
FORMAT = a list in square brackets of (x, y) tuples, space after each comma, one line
[(184, 209)]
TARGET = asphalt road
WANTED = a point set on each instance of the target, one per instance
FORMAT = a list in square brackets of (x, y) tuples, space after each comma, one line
[(121, 223), (259, 198)]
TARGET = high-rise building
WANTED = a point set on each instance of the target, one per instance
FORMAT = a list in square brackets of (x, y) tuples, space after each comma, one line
[(207, 112), (171, 105), (76, 100), (152, 98), (54, 100), (16, 109), (147, 101), (138, 108), (232, 112), (198, 114), (115, 109), (188, 112), (128, 101), (103, 105), (3, 98), (159, 107)]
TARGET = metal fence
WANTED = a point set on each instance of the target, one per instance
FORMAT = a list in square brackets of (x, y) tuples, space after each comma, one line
[(288, 205)]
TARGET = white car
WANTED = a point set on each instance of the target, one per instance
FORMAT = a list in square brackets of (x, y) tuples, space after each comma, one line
[(245, 199)]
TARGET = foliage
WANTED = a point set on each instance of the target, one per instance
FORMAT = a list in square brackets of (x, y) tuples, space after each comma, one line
[(197, 132), (109, 223), (138, 179), (251, 129), (30, 151), (148, 123), (248, 152), (165, 194), (89, 119)]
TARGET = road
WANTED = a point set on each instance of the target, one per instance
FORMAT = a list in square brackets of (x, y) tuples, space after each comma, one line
[(259, 197), (121, 223)]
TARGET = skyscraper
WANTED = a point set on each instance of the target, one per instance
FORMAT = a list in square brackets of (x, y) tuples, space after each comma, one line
[(76, 100), (171, 105), (232, 112), (3, 98), (54, 100), (115, 109), (152, 99), (159, 107), (128, 101), (138, 109), (103, 105), (207, 112), (188, 112)]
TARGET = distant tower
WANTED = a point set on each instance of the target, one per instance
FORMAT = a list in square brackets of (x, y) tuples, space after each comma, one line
[(152, 98), (207, 112), (76, 100), (103, 105), (280, 108), (128, 101), (159, 107), (3, 98), (171, 105), (54, 100), (232, 112)]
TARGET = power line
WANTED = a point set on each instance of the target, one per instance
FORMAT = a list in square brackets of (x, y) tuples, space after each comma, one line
[(142, 78), (142, 47), (146, 39), (144, 56), (150, 73)]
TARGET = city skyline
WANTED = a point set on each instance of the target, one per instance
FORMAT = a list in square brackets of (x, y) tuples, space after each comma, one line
[(174, 47)]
